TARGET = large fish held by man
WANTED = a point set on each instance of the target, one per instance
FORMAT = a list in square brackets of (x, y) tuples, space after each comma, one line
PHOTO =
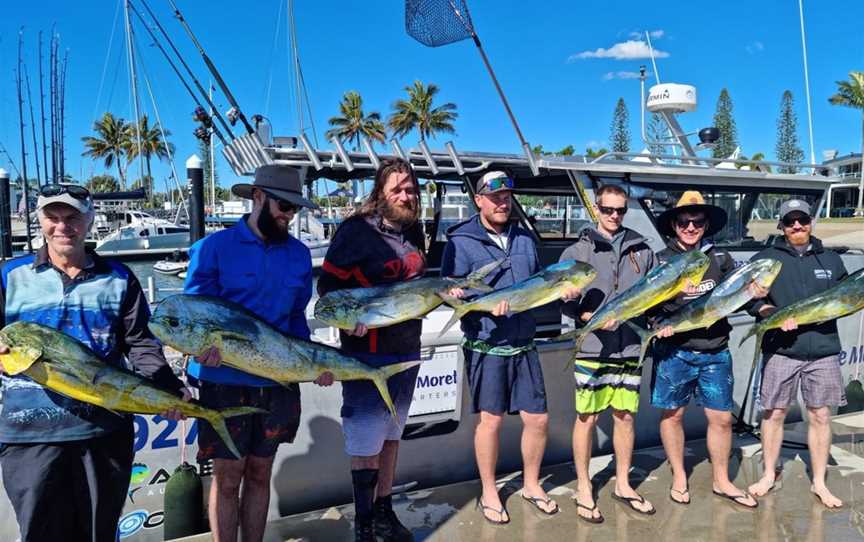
[(194, 323), (722, 301), (382, 306), (64, 365), (543, 287), (660, 284)]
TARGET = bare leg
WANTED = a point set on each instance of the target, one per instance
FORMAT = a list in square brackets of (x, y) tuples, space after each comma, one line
[(223, 505), (719, 446), (819, 442), (672, 435), (387, 467), (486, 451), (623, 439), (534, 430), (583, 434), (772, 440), (256, 497)]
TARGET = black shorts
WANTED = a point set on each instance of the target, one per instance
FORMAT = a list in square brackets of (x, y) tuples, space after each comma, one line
[(506, 384), (253, 434)]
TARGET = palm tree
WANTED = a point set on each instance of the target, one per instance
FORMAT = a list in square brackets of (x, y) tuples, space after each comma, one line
[(417, 112), (108, 144), (353, 122), (151, 145), (851, 94)]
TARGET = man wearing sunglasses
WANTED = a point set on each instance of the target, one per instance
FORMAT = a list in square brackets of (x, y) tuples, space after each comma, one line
[(808, 355), (696, 363), (259, 265), (607, 371), (66, 464)]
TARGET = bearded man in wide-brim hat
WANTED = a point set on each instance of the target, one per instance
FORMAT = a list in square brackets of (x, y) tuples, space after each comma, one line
[(696, 364)]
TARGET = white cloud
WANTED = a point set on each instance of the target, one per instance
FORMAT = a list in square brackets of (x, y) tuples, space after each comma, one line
[(755, 47), (655, 34), (608, 76), (627, 50)]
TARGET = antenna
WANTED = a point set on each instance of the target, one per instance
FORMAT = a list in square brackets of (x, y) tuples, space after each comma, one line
[(653, 61)]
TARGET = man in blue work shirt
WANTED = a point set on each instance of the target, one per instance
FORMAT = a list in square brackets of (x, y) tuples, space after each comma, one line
[(260, 266)]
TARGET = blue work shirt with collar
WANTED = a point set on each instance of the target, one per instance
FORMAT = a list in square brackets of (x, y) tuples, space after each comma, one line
[(273, 280)]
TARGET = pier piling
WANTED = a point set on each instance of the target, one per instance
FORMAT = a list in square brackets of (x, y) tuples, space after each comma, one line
[(5, 216), (195, 177)]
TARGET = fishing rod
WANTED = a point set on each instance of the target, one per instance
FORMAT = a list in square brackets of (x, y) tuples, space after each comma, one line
[(33, 126), (9, 157), (23, 148), (213, 71), (42, 109), (53, 107), (185, 66), (180, 76), (62, 121)]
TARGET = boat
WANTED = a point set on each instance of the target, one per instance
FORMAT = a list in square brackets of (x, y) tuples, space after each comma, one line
[(175, 264)]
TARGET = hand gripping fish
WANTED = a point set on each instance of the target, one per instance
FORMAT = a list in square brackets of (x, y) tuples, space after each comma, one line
[(194, 323), (722, 301), (64, 365), (660, 284), (541, 288), (382, 306)]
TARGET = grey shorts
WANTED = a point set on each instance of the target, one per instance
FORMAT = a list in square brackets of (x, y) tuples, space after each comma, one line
[(820, 380)]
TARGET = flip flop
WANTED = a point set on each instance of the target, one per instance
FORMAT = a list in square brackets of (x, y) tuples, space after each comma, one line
[(591, 519), (545, 500), (736, 498), (630, 500), (686, 490), (482, 507)]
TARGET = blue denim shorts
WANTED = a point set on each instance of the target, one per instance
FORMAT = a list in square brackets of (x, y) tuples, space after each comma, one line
[(681, 374)]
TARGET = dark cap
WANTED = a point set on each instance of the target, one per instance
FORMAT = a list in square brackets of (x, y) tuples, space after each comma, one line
[(282, 182), (793, 205)]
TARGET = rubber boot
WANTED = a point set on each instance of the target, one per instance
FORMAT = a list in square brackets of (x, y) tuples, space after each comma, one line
[(387, 525), (364, 481)]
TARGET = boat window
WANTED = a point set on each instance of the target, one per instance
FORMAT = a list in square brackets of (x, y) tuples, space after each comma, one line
[(144, 233), (161, 231), (554, 216), (175, 230), (455, 207), (753, 215)]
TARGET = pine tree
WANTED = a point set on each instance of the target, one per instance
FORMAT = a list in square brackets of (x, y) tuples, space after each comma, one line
[(620, 131), (658, 130), (787, 148), (204, 149), (724, 122)]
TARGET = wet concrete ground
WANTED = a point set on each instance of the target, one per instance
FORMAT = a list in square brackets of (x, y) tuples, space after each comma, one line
[(790, 512)]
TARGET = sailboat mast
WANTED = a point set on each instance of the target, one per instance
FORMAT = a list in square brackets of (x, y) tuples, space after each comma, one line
[(26, 187), (133, 87)]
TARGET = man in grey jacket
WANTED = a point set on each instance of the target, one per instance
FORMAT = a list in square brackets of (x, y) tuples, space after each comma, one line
[(607, 370)]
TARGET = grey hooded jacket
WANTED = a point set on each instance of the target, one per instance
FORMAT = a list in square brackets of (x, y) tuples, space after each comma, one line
[(615, 273)]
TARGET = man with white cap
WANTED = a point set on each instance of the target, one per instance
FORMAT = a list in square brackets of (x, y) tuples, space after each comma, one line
[(67, 464), (799, 355), (259, 265)]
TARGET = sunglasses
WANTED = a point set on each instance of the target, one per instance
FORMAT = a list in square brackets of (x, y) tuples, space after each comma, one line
[(285, 206), (498, 184), (698, 223), (790, 221), (77, 192), (609, 210)]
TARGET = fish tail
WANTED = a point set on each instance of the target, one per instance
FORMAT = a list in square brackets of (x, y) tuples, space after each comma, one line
[(750, 332), (216, 418), (380, 377), (458, 312), (645, 336), (577, 336), (475, 279)]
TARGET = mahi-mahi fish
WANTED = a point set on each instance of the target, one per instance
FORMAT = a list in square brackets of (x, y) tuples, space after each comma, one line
[(382, 306), (194, 323), (660, 284), (63, 364), (722, 301), (543, 287)]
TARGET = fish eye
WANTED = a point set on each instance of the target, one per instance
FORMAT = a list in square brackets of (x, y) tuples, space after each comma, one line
[(173, 322)]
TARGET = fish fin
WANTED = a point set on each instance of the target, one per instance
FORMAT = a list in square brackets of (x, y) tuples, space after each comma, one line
[(450, 300), (458, 312), (475, 280), (382, 313), (216, 418), (380, 377), (645, 336), (221, 338), (19, 359)]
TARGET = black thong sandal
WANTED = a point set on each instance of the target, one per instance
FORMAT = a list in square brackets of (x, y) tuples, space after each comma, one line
[(591, 509), (737, 499), (630, 500), (545, 500), (482, 507), (682, 493)]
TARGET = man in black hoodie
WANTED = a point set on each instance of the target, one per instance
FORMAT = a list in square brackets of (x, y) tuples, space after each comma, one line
[(808, 355)]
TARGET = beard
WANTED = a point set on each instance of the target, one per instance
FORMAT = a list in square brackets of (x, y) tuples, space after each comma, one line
[(404, 215), (269, 226)]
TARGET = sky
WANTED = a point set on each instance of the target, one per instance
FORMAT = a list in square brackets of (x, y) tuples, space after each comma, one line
[(562, 64)]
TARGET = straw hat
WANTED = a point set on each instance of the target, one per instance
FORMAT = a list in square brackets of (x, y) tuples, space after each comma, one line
[(692, 202)]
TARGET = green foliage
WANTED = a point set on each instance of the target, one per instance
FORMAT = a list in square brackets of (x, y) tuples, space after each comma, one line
[(658, 130), (109, 143), (102, 183), (724, 121), (204, 150), (591, 153), (352, 122), (851, 94), (418, 113), (619, 138), (569, 150), (787, 149)]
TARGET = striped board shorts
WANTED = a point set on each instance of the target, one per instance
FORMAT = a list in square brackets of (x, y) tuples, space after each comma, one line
[(604, 383)]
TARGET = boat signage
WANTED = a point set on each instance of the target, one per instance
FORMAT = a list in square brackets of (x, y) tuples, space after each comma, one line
[(437, 383)]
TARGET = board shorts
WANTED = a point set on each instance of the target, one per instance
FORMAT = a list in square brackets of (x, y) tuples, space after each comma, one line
[(820, 381), (505, 384), (680, 375), (366, 420), (604, 383), (253, 434)]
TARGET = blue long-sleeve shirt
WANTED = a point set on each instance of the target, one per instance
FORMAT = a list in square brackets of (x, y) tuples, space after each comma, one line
[(273, 280)]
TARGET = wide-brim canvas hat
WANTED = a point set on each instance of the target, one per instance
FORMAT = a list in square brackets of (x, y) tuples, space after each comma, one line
[(282, 182), (692, 201)]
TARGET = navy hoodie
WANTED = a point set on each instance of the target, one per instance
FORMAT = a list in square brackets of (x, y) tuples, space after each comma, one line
[(469, 248)]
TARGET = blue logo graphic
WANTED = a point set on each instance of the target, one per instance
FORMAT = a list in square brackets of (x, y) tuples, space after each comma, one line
[(131, 523)]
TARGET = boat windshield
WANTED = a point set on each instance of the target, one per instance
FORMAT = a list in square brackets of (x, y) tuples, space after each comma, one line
[(554, 216), (753, 214)]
